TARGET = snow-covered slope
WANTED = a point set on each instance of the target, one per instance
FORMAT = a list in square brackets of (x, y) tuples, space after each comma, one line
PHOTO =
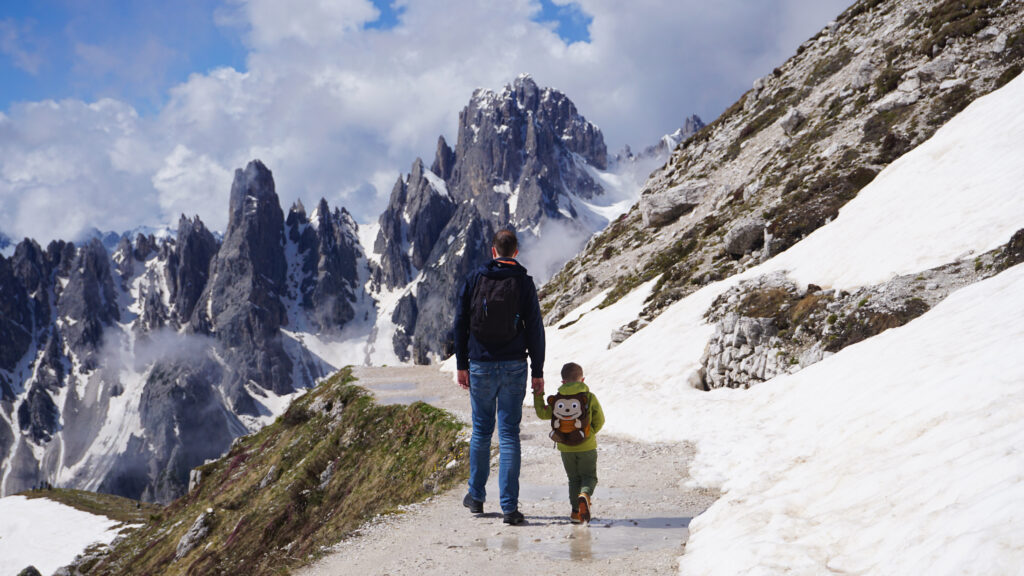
[(897, 455), (46, 534)]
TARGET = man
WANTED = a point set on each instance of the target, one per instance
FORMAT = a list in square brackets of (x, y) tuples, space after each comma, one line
[(497, 324)]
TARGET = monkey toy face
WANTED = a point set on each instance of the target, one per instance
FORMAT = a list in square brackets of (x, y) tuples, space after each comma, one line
[(567, 409)]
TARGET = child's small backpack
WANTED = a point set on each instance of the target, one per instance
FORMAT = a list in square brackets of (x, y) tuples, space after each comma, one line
[(570, 418)]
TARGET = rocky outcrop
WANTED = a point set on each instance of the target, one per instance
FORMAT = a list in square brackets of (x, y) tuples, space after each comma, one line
[(89, 301), (770, 326), (325, 279), (196, 534), (744, 237), (241, 306), (523, 159), (187, 330), (800, 144), (666, 207), (190, 268), (419, 208)]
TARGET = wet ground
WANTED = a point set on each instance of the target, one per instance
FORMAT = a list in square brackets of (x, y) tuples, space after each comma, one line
[(641, 510)]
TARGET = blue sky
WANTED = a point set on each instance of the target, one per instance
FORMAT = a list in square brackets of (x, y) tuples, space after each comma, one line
[(115, 114), (136, 50)]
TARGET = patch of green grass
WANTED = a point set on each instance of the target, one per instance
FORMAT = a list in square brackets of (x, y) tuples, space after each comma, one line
[(113, 507), (876, 127), (888, 80), (950, 104), (382, 457), (859, 8), (1007, 75), (956, 19), (827, 67), (658, 264)]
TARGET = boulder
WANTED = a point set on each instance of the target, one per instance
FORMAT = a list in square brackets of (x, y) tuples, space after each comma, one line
[(197, 533), (897, 99), (792, 121), (660, 208), (863, 76), (746, 236)]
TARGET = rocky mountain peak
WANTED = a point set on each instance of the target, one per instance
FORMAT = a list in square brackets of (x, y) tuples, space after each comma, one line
[(252, 196), (297, 208), (523, 159), (444, 159)]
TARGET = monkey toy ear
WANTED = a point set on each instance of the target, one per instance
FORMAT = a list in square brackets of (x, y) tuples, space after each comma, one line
[(551, 400)]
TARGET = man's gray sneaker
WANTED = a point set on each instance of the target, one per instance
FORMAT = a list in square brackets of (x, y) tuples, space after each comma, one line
[(475, 506), (514, 518)]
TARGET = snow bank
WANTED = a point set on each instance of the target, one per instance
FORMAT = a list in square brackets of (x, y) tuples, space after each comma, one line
[(899, 455), (956, 194), (46, 534)]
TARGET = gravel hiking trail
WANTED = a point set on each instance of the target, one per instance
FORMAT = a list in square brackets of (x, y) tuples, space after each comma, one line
[(641, 506)]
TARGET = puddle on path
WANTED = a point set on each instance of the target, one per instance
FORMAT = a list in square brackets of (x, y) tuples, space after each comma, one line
[(384, 392), (406, 399), (392, 386), (603, 538)]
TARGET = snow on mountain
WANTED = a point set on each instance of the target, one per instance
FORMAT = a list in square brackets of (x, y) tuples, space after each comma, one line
[(897, 455), (47, 534)]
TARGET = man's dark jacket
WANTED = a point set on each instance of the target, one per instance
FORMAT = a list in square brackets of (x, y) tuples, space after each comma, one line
[(530, 338)]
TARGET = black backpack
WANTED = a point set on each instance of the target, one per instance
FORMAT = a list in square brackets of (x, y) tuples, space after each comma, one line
[(494, 311)]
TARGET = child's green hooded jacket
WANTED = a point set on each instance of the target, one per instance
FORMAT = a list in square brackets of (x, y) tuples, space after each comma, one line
[(540, 405)]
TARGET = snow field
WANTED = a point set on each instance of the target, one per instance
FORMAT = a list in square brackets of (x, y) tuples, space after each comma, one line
[(48, 544), (898, 455)]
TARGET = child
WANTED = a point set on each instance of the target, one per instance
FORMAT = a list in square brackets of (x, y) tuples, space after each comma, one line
[(574, 430)]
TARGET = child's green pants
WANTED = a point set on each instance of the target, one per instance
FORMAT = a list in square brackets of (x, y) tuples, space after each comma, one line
[(581, 468)]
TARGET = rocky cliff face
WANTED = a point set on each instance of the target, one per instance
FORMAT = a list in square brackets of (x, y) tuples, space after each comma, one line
[(524, 159), (780, 162), (122, 371)]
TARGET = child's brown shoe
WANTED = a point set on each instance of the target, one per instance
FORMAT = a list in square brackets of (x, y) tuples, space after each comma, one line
[(574, 517), (584, 502)]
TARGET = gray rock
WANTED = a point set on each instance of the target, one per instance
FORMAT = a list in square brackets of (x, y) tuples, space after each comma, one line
[(196, 534), (269, 478), (792, 121), (326, 475), (936, 69), (863, 76), (896, 99), (89, 298), (744, 237), (658, 209), (195, 477)]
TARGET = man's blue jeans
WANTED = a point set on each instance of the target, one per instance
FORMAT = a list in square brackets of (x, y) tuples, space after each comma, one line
[(501, 387)]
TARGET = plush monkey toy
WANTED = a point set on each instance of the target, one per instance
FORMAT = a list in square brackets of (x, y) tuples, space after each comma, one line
[(570, 418)]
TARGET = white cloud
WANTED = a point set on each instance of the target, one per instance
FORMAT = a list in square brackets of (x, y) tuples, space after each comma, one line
[(63, 169), (310, 22), (337, 110), (189, 183)]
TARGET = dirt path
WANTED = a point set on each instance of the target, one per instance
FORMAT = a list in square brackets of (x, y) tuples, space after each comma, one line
[(641, 510)]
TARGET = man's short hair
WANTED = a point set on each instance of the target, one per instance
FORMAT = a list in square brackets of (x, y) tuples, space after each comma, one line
[(505, 243), (572, 372)]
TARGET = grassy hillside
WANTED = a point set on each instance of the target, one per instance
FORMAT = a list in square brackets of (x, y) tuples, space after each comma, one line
[(280, 496), (113, 507)]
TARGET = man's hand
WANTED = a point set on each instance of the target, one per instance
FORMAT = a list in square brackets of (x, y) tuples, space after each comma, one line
[(463, 378), (538, 385)]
